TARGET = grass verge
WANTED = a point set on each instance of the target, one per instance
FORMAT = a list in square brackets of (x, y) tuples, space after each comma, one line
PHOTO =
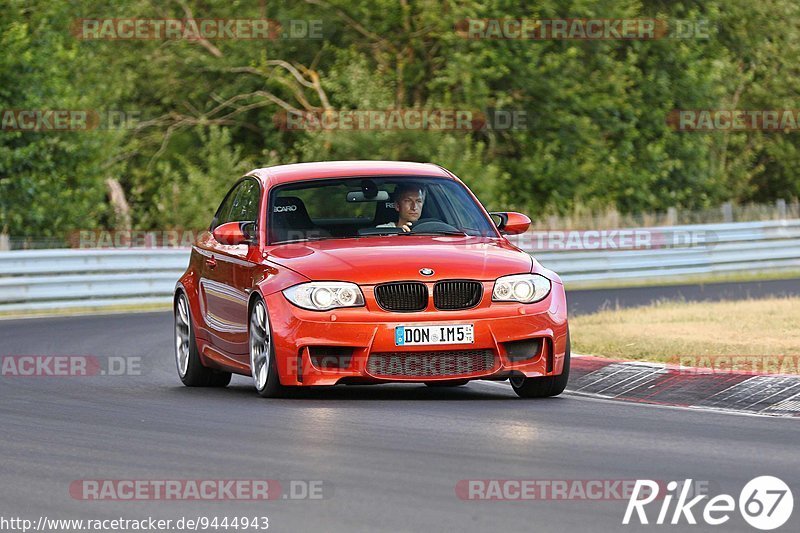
[(78, 311), (765, 329)]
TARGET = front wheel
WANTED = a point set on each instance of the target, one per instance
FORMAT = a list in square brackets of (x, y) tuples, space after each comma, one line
[(546, 386), (263, 366)]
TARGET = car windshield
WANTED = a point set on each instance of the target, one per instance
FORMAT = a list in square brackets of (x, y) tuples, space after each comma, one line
[(362, 207)]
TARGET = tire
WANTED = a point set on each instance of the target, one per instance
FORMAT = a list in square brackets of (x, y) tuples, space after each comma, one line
[(543, 387), (263, 366), (449, 383), (187, 357)]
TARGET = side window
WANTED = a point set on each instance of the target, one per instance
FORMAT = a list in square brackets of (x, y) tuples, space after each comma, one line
[(245, 206), (224, 210), (239, 205)]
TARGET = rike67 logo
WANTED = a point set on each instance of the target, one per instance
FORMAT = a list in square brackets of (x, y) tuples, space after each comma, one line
[(765, 503)]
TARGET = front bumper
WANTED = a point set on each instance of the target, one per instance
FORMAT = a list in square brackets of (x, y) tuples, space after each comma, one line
[(298, 335)]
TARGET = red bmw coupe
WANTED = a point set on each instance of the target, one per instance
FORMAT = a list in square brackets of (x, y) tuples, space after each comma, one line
[(366, 272)]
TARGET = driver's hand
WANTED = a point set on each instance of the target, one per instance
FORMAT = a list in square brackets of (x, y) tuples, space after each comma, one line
[(406, 227)]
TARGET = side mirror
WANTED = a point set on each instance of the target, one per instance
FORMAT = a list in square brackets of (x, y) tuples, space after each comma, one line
[(233, 233), (511, 223)]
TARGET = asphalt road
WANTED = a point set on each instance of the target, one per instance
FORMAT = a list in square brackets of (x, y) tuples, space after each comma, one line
[(591, 300), (388, 457)]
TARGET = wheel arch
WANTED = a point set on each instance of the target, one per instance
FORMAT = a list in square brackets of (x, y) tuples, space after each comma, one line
[(179, 289), (251, 301)]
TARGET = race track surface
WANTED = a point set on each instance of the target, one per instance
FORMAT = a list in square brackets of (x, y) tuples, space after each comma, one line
[(590, 300), (389, 457)]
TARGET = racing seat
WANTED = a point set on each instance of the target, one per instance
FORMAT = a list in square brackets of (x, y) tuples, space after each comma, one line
[(290, 221), (385, 213)]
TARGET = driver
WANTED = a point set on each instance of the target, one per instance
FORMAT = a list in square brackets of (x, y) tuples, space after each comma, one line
[(408, 202)]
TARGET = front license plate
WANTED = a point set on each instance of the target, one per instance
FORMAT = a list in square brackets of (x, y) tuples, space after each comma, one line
[(440, 334)]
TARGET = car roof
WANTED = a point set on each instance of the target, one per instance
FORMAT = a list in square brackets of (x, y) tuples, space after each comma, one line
[(344, 169)]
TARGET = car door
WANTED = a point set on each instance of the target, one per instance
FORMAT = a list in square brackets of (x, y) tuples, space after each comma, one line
[(228, 273)]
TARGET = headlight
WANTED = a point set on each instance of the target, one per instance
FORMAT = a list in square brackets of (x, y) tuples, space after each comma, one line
[(523, 288), (324, 295)]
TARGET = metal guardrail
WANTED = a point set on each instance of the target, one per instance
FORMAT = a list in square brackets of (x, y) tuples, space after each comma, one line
[(633, 264), (67, 278), (722, 248)]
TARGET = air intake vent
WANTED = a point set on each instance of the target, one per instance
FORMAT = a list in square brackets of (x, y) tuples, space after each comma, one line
[(430, 364)]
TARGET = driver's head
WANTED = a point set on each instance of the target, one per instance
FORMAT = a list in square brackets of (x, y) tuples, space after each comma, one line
[(408, 201)]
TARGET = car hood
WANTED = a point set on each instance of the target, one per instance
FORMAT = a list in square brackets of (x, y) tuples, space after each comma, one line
[(371, 260)]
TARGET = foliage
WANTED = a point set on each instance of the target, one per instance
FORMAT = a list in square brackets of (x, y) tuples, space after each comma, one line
[(595, 137)]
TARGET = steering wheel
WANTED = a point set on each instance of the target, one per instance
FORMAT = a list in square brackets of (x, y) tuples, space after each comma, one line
[(431, 225)]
